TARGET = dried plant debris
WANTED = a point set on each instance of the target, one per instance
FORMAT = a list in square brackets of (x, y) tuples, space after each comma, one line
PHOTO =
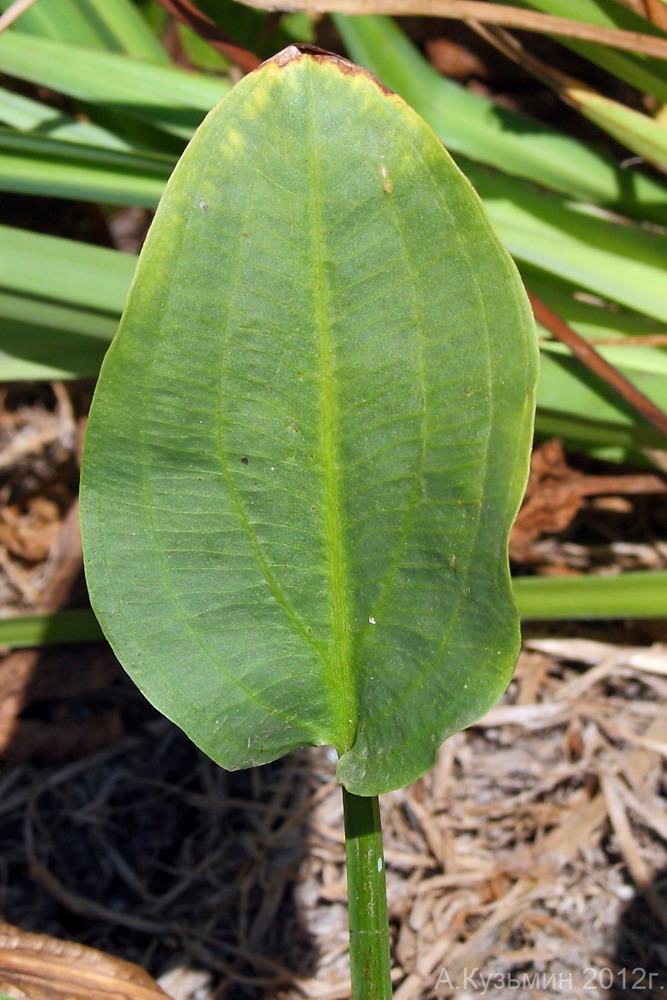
[(147, 850), (533, 854), (38, 485), (521, 860), (564, 506), (37, 967)]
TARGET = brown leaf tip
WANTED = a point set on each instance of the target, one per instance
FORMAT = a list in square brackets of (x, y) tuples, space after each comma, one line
[(301, 49)]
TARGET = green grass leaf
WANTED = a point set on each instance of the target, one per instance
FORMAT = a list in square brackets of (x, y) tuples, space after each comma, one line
[(33, 164), (640, 133), (621, 262), (71, 626), (310, 436), (575, 405), (162, 96), (26, 115), (59, 304), (64, 271), (42, 339), (628, 595), (113, 25), (50, 328)]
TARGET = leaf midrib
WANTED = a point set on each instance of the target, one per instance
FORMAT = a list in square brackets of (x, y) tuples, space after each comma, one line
[(340, 683)]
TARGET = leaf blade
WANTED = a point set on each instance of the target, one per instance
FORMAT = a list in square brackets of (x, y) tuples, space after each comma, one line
[(335, 442)]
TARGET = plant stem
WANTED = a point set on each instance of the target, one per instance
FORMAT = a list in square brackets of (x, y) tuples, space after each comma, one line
[(367, 899)]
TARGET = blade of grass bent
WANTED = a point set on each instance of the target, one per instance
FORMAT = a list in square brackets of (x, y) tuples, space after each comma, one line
[(623, 263), (640, 133), (27, 115)]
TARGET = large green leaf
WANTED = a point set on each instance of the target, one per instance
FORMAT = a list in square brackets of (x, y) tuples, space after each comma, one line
[(310, 436)]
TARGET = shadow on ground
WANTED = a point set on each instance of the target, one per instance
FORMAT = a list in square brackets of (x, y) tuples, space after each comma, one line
[(641, 949), (146, 849)]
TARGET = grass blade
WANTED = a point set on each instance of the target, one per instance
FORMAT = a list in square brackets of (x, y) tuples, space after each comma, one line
[(31, 164), (42, 339), (58, 291), (623, 263), (64, 271), (73, 625), (629, 595), (643, 135), (26, 115), (113, 25), (164, 96)]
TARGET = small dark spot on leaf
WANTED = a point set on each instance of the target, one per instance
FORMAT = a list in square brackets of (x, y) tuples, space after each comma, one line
[(245, 234), (244, 460)]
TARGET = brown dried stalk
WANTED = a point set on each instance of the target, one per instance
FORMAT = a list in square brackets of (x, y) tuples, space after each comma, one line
[(485, 13)]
